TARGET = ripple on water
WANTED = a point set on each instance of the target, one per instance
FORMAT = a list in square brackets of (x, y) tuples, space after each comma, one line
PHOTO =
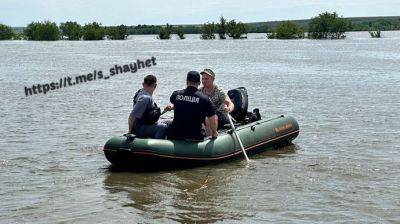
[(344, 166)]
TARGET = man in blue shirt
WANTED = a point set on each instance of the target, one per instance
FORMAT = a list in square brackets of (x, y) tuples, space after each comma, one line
[(191, 107), (145, 113)]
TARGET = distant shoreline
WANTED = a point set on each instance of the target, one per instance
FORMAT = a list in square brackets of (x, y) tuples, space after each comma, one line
[(254, 26)]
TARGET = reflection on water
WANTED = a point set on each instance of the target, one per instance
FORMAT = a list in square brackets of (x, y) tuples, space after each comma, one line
[(279, 152), (200, 195), (182, 196)]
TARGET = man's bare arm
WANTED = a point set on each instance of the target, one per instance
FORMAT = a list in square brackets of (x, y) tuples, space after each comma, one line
[(131, 124), (229, 104)]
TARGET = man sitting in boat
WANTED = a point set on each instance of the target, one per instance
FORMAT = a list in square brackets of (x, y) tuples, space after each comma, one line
[(221, 102), (145, 113), (191, 107)]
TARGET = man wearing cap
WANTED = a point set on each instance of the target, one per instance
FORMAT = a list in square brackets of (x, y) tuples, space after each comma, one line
[(191, 107), (220, 101)]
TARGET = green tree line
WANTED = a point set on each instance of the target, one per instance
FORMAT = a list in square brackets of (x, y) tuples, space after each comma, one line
[(95, 31), (356, 24), (50, 31)]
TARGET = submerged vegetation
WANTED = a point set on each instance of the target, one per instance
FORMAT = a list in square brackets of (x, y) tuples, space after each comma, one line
[(375, 30), (236, 30), (42, 31), (324, 26), (375, 34), (93, 31), (117, 32), (6, 32), (207, 31), (221, 28), (327, 26), (233, 29), (179, 31), (287, 30), (165, 32), (71, 30)]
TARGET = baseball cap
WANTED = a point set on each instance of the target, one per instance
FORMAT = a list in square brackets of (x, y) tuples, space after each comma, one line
[(208, 72), (193, 76)]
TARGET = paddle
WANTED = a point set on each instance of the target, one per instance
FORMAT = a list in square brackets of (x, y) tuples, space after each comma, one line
[(237, 136), (164, 111)]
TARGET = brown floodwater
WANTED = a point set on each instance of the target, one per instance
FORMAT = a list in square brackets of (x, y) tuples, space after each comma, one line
[(343, 168)]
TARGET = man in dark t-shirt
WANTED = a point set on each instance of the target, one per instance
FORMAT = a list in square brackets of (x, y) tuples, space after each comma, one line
[(191, 107)]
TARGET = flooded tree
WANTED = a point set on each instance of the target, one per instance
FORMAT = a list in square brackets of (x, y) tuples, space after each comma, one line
[(71, 30), (236, 30), (207, 31), (375, 30), (93, 31), (117, 32), (327, 26), (42, 31), (287, 30), (6, 33), (179, 31), (375, 34), (165, 32), (221, 28)]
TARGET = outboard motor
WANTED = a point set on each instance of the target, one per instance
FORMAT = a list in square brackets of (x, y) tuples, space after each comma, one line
[(239, 98)]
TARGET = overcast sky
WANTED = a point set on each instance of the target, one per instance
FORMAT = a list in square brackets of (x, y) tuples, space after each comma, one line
[(133, 12)]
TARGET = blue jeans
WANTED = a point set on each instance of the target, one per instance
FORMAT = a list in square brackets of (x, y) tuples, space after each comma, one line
[(158, 131)]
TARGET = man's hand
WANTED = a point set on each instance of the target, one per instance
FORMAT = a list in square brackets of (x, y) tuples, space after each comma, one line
[(229, 106), (228, 109), (169, 107)]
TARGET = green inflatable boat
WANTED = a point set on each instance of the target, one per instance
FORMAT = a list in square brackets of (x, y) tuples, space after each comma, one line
[(256, 136), (255, 133)]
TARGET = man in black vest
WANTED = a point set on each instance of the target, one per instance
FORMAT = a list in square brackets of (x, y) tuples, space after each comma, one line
[(145, 113), (191, 107)]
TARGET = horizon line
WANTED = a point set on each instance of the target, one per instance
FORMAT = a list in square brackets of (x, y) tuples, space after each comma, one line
[(271, 21)]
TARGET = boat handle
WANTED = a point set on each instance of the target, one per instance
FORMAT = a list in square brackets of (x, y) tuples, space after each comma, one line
[(253, 127), (124, 149)]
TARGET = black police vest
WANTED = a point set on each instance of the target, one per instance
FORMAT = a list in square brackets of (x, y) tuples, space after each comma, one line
[(150, 115)]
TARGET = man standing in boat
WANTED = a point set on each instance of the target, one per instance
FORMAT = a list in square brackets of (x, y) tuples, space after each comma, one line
[(191, 107), (145, 113)]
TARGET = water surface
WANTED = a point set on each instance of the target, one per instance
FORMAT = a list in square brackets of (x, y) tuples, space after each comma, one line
[(343, 167)]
